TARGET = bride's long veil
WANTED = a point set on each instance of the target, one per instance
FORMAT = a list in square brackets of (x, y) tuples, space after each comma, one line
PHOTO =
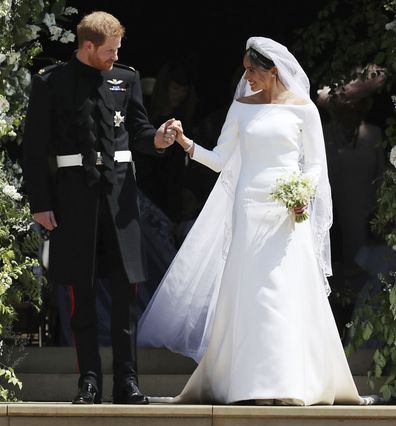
[(180, 314)]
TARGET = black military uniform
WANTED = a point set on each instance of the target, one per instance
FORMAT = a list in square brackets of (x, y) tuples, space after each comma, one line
[(76, 112)]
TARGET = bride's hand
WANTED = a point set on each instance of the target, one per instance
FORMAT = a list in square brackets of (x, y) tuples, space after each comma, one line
[(177, 126), (186, 143), (300, 209)]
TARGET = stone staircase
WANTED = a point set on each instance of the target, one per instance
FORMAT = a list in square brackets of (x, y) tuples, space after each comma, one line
[(49, 383), (49, 374)]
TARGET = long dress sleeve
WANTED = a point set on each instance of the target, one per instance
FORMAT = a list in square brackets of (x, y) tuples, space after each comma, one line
[(217, 158), (313, 145)]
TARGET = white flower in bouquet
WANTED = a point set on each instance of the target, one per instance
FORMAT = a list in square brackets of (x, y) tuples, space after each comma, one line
[(392, 156), (294, 190)]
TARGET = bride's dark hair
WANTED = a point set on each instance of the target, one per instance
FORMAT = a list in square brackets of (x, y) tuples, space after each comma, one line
[(259, 59)]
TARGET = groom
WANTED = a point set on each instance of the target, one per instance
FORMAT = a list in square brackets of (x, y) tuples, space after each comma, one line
[(83, 119)]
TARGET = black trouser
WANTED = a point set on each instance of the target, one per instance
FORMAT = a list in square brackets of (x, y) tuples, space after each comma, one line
[(123, 311)]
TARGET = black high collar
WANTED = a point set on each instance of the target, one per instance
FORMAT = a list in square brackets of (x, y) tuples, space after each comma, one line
[(85, 69)]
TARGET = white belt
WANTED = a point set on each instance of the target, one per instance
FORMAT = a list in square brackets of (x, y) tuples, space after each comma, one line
[(76, 159)]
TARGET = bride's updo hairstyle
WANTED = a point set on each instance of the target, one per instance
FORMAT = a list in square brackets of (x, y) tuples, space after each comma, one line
[(259, 59)]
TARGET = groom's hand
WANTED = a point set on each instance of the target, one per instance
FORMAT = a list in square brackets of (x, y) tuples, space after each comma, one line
[(165, 135)]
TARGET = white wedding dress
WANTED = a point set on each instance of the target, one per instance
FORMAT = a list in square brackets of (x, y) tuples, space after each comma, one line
[(265, 330)]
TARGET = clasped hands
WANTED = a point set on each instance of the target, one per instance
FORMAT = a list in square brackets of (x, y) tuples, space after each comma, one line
[(165, 135), (169, 132)]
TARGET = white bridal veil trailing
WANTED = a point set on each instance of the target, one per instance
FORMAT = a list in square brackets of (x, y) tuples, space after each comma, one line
[(181, 312)]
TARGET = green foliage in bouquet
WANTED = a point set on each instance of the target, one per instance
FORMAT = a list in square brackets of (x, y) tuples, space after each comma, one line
[(294, 190), (23, 23)]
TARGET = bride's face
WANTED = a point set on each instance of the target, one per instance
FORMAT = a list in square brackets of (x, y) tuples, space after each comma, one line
[(257, 76)]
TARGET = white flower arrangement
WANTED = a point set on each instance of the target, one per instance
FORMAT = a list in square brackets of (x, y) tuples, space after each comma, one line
[(67, 37), (58, 33), (5, 8), (55, 32), (22, 25), (294, 190), (4, 105), (13, 58), (33, 32), (391, 26), (5, 125), (11, 191), (49, 19), (70, 11), (392, 156)]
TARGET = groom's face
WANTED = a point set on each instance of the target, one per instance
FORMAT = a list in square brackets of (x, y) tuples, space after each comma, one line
[(103, 57)]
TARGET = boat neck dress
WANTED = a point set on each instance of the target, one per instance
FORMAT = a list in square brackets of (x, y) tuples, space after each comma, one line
[(245, 296)]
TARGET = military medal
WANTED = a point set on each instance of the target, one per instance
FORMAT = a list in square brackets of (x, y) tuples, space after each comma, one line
[(116, 85), (118, 119)]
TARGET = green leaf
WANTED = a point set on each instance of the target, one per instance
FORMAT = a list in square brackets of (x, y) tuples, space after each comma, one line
[(367, 330), (58, 7), (370, 382), (389, 380), (386, 392), (379, 58)]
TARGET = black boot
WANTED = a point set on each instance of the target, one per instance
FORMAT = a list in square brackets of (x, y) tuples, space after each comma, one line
[(88, 392), (128, 392)]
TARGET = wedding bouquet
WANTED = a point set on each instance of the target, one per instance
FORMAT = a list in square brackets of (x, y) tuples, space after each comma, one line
[(294, 190)]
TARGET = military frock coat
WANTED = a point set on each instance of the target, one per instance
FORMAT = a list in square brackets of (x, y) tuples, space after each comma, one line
[(74, 108)]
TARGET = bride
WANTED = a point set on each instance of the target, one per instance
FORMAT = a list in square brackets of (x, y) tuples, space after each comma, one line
[(246, 295)]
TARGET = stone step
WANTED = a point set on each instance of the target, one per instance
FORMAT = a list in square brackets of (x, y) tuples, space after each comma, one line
[(21, 414), (53, 359), (49, 374), (57, 387)]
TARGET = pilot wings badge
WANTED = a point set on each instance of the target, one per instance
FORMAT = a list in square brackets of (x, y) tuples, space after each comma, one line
[(116, 85)]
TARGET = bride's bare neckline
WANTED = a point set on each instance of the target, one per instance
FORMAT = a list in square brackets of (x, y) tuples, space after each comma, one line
[(253, 100), (270, 103)]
